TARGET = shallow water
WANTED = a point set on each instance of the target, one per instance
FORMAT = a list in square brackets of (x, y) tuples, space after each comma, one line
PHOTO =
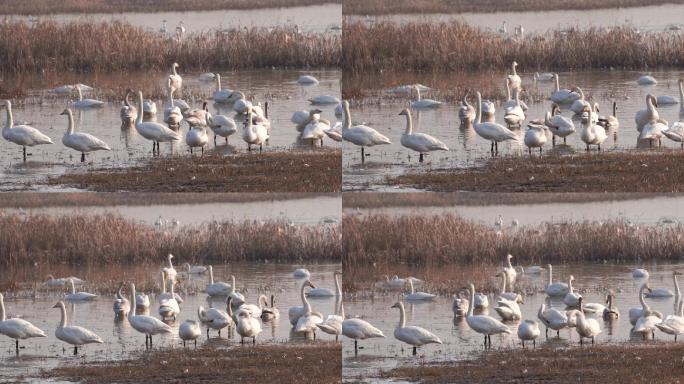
[(129, 148), (311, 19), (321, 210), (460, 342), (651, 18), (467, 149), (122, 342)]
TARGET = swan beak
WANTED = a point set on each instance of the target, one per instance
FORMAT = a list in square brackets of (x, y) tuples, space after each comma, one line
[(56, 305)]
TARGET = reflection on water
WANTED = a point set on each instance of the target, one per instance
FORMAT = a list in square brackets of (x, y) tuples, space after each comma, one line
[(460, 342), (128, 147), (467, 149), (121, 341), (651, 18)]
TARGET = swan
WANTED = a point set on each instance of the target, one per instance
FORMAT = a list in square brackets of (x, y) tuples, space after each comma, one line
[(307, 80), (358, 329), (508, 310), (485, 325), (325, 292), (653, 131), (68, 89), (172, 114), (466, 112), (640, 273), (563, 96), (419, 142), (645, 319), (149, 110), (17, 329), (315, 129), (232, 292), (407, 89), (195, 269), (488, 111), (481, 301), (412, 335), (555, 289), (197, 137), (270, 313), (572, 298), (301, 273), (254, 134), (308, 322), (514, 79), (77, 296), (417, 296), (528, 330), (535, 137), (145, 324), (324, 100), (508, 295), (73, 334), (512, 102), (121, 304), (215, 318), (332, 324), (221, 125), (491, 131), (510, 272), (534, 270), (247, 326), (647, 80), (302, 118), (189, 330), (361, 135), (681, 97), (240, 103), (221, 95), (610, 312), (666, 100), (645, 116), (23, 135), (335, 132), (175, 80), (207, 76), (673, 324), (592, 134), (514, 113), (254, 309), (544, 76), (294, 313), (586, 328), (170, 270), (153, 131), (421, 103), (664, 292), (82, 103), (636, 313), (610, 121), (218, 288), (197, 117), (142, 300), (552, 318), (459, 306), (675, 132), (53, 282), (168, 306), (579, 104), (80, 141), (128, 112)]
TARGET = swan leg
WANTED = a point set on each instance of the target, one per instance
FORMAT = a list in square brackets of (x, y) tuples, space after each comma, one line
[(75, 350), (356, 342), (558, 332), (547, 332), (540, 151), (553, 140), (414, 351), (195, 343), (191, 150), (261, 148), (529, 150), (16, 345), (242, 340), (363, 155), (214, 140), (581, 340), (565, 140), (202, 150), (249, 148), (254, 340), (592, 340), (82, 157), (420, 158), (492, 149), (523, 343), (183, 343), (534, 343), (599, 147)]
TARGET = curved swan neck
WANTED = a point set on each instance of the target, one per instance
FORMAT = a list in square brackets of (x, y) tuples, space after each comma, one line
[(409, 123), (2, 308), (70, 116), (644, 306), (126, 101), (503, 283), (163, 282), (417, 93), (138, 119), (218, 82), (72, 288), (338, 286), (402, 316), (80, 94), (173, 69), (347, 116), (342, 310), (63, 321), (508, 89), (581, 93), (478, 109), (513, 67), (411, 286), (508, 261), (170, 257), (649, 103), (305, 302), (570, 289), (171, 101)]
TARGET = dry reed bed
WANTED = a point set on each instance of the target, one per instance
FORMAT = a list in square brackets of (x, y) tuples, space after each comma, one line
[(438, 240), (631, 363), (318, 362), (120, 47), (387, 46), (39, 7), (388, 7)]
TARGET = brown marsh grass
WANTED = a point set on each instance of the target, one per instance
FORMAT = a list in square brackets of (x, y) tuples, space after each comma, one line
[(318, 362), (120, 47), (445, 47), (388, 7), (38, 7)]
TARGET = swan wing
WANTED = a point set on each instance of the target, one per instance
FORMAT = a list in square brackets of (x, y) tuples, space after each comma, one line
[(360, 329), (416, 336), (26, 135)]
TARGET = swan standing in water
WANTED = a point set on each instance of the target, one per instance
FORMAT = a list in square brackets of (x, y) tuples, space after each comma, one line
[(247, 326), (155, 132), (508, 310), (142, 301), (168, 306), (535, 137), (301, 273), (421, 103), (555, 289), (358, 329), (195, 269), (324, 100), (270, 313), (121, 304), (315, 129), (653, 131), (221, 95), (664, 292), (73, 334), (417, 296), (81, 141), (325, 292), (563, 96), (146, 324), (307, 80), (170, 271), (189, 330), (466, 112), (17, 329), (308, 321), (675, 132), (610, 121), (552, 318), (579, 104), (509, 271), (197, 137), (128, 112), (508, 295), (586, 328), (514, 78), (215, 318), (77, 296), (610, 312), (571, 299), (460, 305), (491, 131), (23, 135), (419, 142), (673, 324), (485, 325), (254, 134), (361, 135), (636, 313), (332, 324), (645, 116), (294, 313), (82, 103), (645, 318), (543, 77), (647, 80), (218, 288), (640, 273), (413, 335), (175, 80), (528, 330), (221, 125), (592, 134), (149, 110), (172, 114)]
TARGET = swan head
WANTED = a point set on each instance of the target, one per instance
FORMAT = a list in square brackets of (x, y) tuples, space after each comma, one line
[(66, 111), (509, 256), (309, 284), (555, 109), (315, 111), (596, 107), (175, 65), (405, 112), (677, 273), (50, 277), (170, 256), (59, 304), (398, 304)]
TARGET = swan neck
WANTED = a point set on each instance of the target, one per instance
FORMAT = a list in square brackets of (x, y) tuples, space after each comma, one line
[(570, 289), (411, 286), (418, 94), (644, 306), (171, 101), (680, 309), (173, 69), (80, 94), (211, 275), (550, 275), (70, 116), (138, 119), (2, 309), (649, 104), (342, 310), (131, 312), (513, 67), (409, 123), (232, 284), (402, 316), (126, 102), (173, 291), (347, 117), (478, 109), (471, 303), (557, 84), (72, 288), (305, 302), (218, 82), (508, 90), (10, 118), (338, 286), (676, 285), (503, 283), (63, 321), (681, 93)]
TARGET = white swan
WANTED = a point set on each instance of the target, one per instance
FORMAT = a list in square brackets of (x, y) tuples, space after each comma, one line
[(419, 142), (221, 125), (215, 319), (207, 76), (172, 114), (552, 318), (408, 88), (80, 141), (361, 135), (421, 103), (610, 121), (73, 334), (197, 138), (23, 135), (555, 289), (270, 313), (673, 324), (218, 288), (240, 104), (510, 272), (460, 305), (664, 292), (325, 292), (666, 100), (512, 102), (610, 312), (528, 330), (358, 329), (571, 299), (53, 282), (295, 312), (302, 118), (508, 310), (535, 137), (412, 335), (647, 80), (17, 329), (142, 300), (466, 112), (508, 295), (534, 270), (82, 103), (255, 310), (491, 131), (149, 110), (543, 77), (175, 80), (485, 325), (152, 131), (645, 116), (653, 132), (563, 96), (332, 324), (579, 104), (636, 313), (324, 100), (514, 78), (640, 273), (189, 330), (675, 132), (307, 80), (247, 326), (417, 296), (315, 129), (146, 324), (645, 318), (681, 97), (77, 296), (586, 328), (301, 273), (308, 322), (592, 133), (195, 269), (168, 306), (335, 132), (170, 271), (481, 301), (232, 292), (221, 95), (254, 134), (121, 304), (514, 113), (128, 112), (488, 111)]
